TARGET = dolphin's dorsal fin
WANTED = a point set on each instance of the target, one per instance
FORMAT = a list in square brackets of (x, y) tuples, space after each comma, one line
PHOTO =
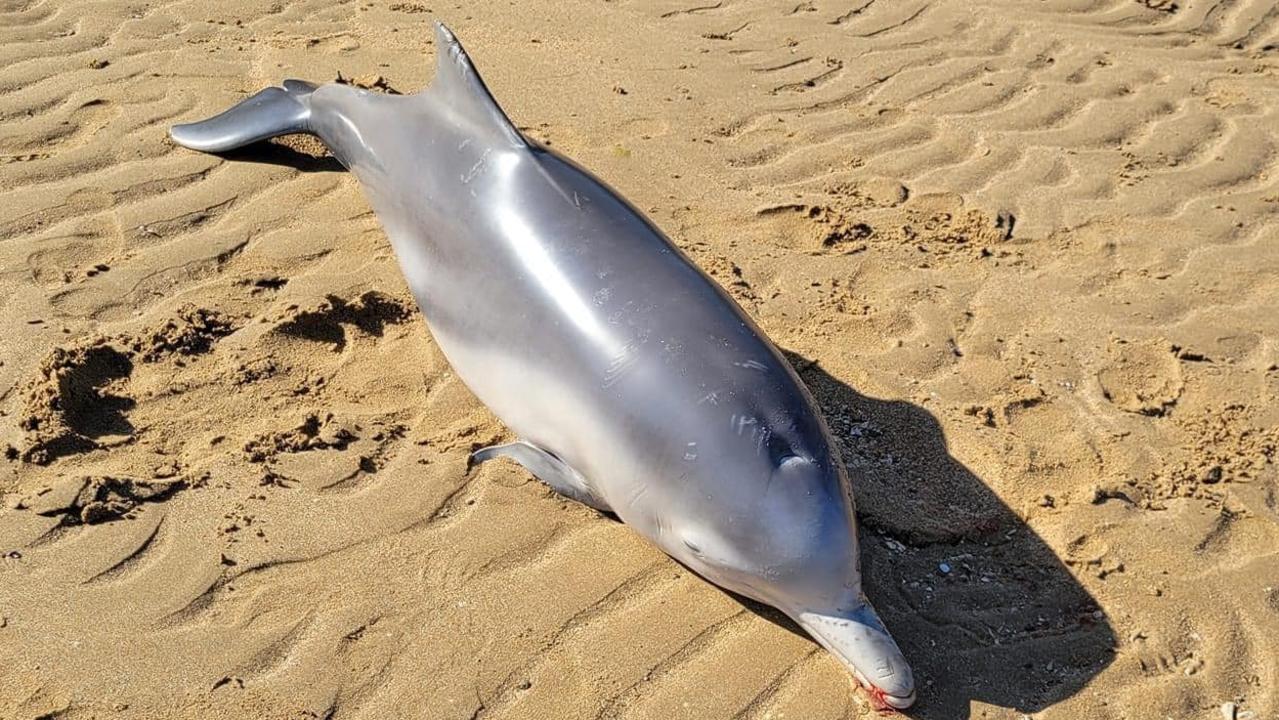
[(460, 88)]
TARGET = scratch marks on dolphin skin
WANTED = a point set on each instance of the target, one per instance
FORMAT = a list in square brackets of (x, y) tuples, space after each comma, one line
[(690, 452), (752, 365), (762, 438), (477, 168), (635, 495), (760, 432), (622, 362)]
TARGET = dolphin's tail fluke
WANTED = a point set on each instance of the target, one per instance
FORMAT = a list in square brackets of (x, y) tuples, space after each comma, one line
[(271, 112), (859, 639)]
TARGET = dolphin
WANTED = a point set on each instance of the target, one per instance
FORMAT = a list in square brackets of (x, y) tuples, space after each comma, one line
[(634, 383)]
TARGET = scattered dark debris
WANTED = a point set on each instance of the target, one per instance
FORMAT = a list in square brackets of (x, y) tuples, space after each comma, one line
[(97, 499), (376, 83)]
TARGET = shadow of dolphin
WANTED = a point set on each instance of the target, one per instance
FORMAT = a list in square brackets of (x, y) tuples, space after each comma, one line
[(982, 607), (275, 153)]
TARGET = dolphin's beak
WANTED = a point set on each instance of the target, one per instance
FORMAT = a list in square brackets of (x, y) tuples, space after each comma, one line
[(859, 639)]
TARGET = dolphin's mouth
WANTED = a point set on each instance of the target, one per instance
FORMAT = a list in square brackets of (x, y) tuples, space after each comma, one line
[(859, 639), (880, 699)]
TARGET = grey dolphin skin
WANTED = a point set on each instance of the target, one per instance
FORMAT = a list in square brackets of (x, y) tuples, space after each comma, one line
[(635, 384)]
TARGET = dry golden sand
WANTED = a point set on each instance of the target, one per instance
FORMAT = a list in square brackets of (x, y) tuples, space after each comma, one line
[(1025, 253)]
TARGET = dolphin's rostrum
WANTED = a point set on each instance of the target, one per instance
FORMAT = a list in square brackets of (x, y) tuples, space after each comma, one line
[(636, 385)]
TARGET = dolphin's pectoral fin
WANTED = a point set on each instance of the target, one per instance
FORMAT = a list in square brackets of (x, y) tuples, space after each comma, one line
[(547, 468), (858, 638), (271, 112)]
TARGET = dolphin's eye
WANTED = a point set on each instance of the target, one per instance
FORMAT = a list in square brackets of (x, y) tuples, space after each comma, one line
[(696, 550)]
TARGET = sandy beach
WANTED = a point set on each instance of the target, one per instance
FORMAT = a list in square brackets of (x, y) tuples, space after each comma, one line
[(1025, 254)]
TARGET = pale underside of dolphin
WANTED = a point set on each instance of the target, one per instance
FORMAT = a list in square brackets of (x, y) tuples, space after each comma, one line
[(635, 384)]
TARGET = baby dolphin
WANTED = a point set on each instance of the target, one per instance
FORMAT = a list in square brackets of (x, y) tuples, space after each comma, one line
[(635, 384)]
